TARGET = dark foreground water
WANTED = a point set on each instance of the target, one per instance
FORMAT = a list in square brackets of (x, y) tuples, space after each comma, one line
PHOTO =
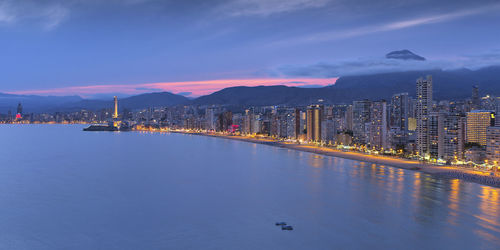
[(62, 188)]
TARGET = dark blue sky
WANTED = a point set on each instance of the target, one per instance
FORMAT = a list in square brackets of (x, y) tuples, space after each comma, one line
[(49, 44)]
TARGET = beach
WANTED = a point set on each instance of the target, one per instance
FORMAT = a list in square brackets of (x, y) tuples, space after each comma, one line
[(447, 171)]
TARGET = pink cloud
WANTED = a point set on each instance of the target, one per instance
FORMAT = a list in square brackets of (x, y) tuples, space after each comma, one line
[(197, 88)]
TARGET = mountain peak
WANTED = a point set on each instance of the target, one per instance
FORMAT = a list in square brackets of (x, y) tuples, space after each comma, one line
[(404, 55)]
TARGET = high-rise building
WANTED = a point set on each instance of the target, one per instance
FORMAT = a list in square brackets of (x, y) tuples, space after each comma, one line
[(435, 126), (20, 108), (399, 119), (446, 140), (477, 123), (399, 111), (489, 102), (462, 135), (224, 121), (297, 127), (378, 125), (328, 131), (360, 116), (497, 108), (274, 124), (493, 145), (476, 101), (412, 124), (288, 124), (247, 122), (451, 140), (19, 113), (412, 108), (423, 109), (348, 117), (303, 125), (210, 118), (314, 118)]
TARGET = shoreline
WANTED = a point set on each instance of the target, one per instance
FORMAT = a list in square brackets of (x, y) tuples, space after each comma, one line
[(448, 172)]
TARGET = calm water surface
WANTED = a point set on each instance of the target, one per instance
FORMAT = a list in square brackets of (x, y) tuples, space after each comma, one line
[(62, 188)]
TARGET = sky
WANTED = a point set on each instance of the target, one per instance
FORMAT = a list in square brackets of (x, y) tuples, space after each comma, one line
[(96, 48)]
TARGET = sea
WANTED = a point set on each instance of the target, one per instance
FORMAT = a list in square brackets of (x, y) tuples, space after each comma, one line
[(64, 188)]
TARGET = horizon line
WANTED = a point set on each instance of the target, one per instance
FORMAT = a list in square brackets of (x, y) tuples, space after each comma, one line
[(190, 89)]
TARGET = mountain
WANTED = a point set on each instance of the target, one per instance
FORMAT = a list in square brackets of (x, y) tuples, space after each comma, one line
[(447, 85), (404, 55), (33, 103), (261, 96), (158, 99), (36, 104)]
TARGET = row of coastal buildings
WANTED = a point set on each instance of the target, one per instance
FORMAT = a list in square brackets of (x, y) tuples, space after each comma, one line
[(460, 132), (418, 127)]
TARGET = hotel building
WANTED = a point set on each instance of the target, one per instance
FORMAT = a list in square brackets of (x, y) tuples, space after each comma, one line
[(477, 123)]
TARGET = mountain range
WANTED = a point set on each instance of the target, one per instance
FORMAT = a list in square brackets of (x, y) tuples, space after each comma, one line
[(447, 85)]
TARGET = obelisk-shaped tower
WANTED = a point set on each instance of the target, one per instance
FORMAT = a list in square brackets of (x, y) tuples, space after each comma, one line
[(115, 114)]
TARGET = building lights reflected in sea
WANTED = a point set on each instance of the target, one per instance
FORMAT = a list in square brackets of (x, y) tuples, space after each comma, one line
[(162, 190), (430, 200)]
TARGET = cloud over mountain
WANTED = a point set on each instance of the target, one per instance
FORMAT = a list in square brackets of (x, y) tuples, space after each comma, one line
[(404, 55), (396, 61)]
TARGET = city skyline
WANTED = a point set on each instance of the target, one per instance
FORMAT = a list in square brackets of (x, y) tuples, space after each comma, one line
[(259, 124), (82, 47)]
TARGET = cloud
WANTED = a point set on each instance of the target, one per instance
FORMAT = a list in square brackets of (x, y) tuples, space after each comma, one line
[(185, 93), (386, 27), (54, 15), (149, 89), (6, 15), (383, 65), (49, 14), (268, 7), (353, 67)]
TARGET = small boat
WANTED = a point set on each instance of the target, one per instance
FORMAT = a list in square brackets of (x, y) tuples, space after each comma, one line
[(286, 227), (101, 128), (280, 224)]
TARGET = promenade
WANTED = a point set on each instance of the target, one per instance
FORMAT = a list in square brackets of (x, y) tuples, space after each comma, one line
[(447, 171)]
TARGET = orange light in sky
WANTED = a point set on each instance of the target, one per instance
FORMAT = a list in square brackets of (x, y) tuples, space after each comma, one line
[(196, 88)]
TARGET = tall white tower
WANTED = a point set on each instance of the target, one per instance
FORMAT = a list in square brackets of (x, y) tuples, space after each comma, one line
[(115, 114)]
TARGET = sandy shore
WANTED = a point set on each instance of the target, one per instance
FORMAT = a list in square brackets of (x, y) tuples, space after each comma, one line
[(438, 171)]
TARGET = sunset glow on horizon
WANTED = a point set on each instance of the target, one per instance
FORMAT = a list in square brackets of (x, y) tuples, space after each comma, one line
[(188, 88)]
